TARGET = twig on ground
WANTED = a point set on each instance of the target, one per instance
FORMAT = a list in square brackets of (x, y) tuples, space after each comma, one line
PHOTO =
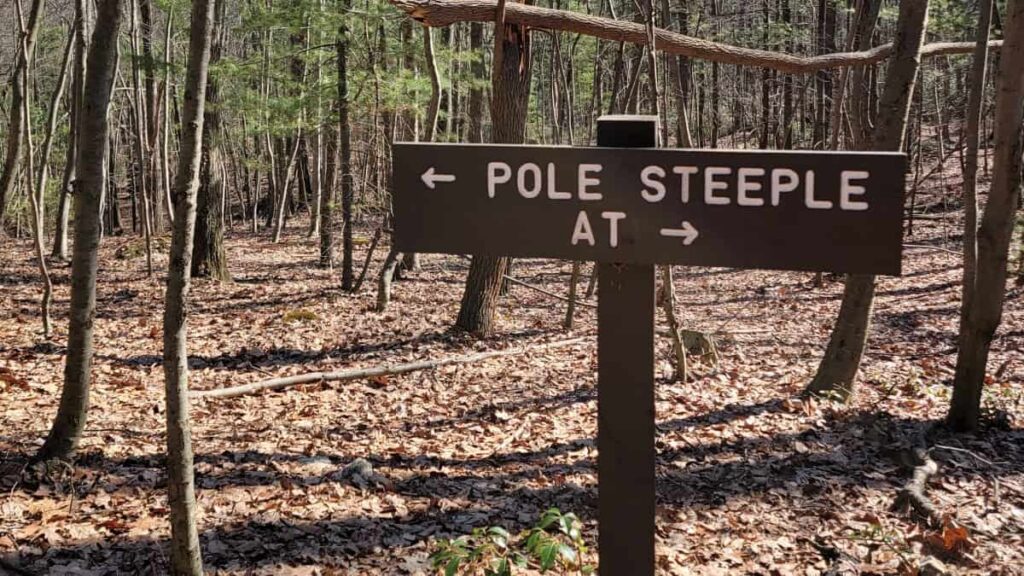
[(936, 248), (963, 450)]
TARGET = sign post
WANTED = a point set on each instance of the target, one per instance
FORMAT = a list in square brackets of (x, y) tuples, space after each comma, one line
[(625, 392), (629, 206)]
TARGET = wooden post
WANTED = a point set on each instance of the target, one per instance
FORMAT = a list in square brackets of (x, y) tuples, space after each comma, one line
[(625, 383)]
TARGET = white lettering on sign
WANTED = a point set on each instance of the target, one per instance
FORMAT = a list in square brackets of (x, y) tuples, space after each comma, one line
[(846, 189), (583, 231), (792, 181), (743, 186), (684, 180), (586, 181), (809, 198), (497, 173), (613, 226), (647, 176), (752, 187), (553, 192), (711, 185), (534, 170)]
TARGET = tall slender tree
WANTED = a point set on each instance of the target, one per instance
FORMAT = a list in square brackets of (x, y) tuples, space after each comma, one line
[(90, 180), (345, 126), (60, 233), (17, 122), (186, 558), (983, 312), (837, 372)]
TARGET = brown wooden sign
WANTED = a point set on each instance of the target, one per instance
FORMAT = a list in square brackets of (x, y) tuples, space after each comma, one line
[(831, 211), (630, 206)]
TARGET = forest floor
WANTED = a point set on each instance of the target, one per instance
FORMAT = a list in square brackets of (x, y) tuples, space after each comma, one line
[(750, 478)]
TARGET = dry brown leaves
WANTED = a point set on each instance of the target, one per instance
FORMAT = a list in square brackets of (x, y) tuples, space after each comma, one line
[(751, 480)]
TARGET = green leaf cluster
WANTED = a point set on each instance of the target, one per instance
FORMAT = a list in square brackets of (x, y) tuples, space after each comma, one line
[(556, 541)]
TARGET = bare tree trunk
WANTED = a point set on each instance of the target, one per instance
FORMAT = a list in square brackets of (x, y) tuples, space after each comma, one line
[(476, 91), (141, 141), (411, 260), (155, 181), (186, 557), (837, 372), (36, 191), (570, 308), (510, 92), (60, 235), (90, 181), (210, 259), (165, 143), (347, 186), (328, 198), (986, 305), (973, 120), (387, 274), (18, 123)]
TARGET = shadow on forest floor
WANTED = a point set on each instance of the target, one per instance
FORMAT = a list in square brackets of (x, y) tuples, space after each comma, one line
[(842, 452), (249, 358)]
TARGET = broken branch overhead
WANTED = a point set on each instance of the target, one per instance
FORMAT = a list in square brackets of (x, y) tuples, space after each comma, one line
[(439, 13)]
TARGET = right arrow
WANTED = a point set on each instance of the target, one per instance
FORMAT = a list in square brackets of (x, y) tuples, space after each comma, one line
[(688, 233)]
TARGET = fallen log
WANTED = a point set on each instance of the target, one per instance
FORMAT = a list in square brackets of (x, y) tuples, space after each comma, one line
[(372, 372), (439, 13)]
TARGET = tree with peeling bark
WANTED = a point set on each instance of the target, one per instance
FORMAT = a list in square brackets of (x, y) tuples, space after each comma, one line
[(510, 92), (186, 557)]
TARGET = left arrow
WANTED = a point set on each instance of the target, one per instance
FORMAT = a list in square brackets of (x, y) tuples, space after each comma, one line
[(431, 179)]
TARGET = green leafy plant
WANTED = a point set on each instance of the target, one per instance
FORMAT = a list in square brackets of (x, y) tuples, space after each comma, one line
[(556, 541)]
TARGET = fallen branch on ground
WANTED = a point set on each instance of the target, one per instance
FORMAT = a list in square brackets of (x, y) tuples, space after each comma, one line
[(912, 496), (440, 13), (386, 370)]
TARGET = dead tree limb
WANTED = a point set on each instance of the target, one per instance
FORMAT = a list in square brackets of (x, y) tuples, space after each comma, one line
[(386, 370), (912, 496), (438, 13)]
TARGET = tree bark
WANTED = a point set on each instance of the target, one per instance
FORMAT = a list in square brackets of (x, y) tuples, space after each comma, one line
[(89, 183), (476, 91), (973, 120), (17, 122), (186, 558), (36, 190), (986, 306), (347, 184), (60, 234), (154, 170), (510, 92), (210, 259), (411, 260), (837, 372)]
